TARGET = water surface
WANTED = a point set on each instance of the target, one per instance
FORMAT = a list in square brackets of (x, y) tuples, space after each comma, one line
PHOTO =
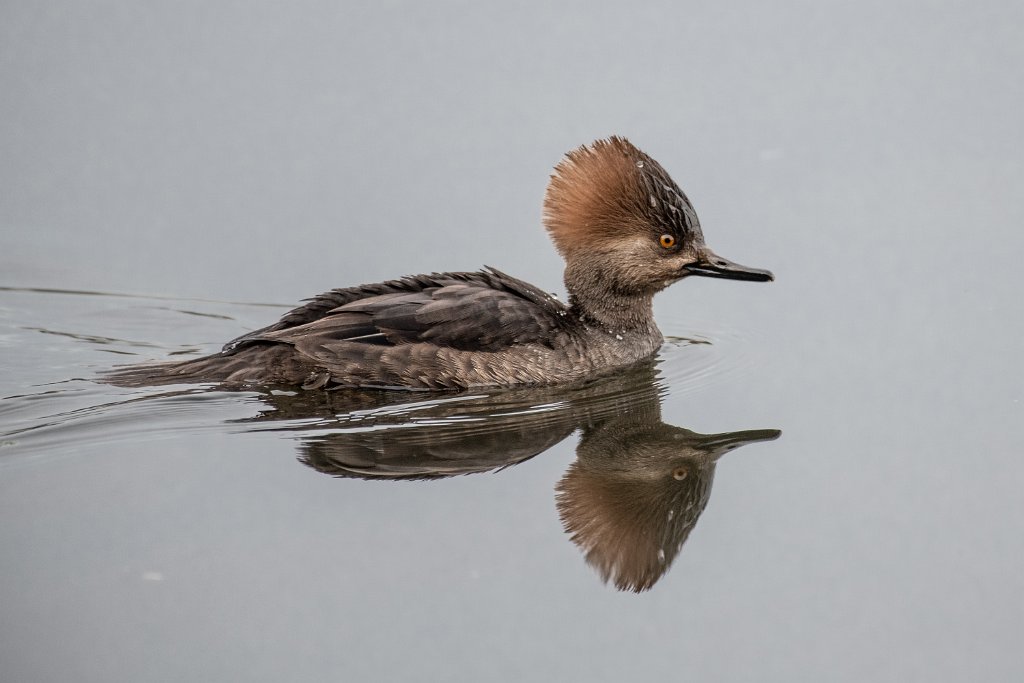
[(176, 176)]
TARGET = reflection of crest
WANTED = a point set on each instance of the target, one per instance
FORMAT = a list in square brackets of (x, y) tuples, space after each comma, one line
[(629, 501)]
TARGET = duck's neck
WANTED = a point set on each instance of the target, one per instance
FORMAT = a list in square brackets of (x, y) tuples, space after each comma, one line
[(599, 300)]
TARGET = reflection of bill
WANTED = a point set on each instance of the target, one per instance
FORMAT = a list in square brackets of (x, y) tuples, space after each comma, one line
[(629, 501)]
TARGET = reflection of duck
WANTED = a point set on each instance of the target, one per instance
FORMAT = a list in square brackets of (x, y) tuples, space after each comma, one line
[(626, 232), (629, 501)]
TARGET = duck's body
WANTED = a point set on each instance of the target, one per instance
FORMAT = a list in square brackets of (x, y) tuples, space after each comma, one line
[(439, 331), (626, 232)]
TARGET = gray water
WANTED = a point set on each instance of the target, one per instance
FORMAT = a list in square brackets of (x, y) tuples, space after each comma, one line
[(175, 175)]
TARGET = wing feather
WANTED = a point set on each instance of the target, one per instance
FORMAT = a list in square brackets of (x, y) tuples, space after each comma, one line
[(486, 311)]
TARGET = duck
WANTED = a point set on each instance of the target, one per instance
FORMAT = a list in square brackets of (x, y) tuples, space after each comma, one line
[(625, 231)]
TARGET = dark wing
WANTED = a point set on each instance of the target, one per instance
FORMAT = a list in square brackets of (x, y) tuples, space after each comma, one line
[(322, 304), (485, 311)]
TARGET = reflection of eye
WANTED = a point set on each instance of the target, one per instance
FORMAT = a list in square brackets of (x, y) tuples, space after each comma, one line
[(679, 473), (667, 241)]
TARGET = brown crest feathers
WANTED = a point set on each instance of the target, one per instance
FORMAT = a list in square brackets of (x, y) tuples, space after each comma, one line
[(609, 189)]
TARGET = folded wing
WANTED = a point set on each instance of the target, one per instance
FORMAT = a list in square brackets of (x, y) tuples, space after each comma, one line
[(482, 311)]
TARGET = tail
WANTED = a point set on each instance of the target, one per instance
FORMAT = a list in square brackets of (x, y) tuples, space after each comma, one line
[(258, 364), (197, 370)]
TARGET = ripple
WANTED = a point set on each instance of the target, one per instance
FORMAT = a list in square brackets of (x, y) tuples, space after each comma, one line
[(98, 340), (486, 411), (62, 421), (58, 422), (143, 297), (700, 354)]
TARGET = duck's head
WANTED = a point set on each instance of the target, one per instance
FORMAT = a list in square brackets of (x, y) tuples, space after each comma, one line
[(616, 215)]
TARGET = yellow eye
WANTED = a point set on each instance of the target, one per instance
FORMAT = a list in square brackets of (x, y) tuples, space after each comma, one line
[(667, 241)]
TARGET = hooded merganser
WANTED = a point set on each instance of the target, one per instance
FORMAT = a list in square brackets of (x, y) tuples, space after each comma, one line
[(625, 230)]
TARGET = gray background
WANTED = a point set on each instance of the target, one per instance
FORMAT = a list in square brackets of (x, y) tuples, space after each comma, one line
[(869, 153)]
